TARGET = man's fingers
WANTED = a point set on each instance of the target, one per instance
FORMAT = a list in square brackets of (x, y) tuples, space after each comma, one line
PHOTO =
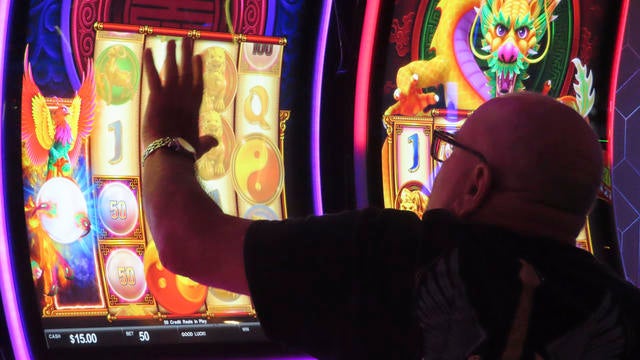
[(197, 71), (198, 86), (187, 65), (171, 66), (205, 143), (153, 78)]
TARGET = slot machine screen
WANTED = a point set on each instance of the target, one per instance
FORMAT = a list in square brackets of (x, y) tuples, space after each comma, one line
[(75, 94), (95, 277)]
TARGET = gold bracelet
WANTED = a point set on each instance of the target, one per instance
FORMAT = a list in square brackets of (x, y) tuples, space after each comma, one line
[(177, 144)]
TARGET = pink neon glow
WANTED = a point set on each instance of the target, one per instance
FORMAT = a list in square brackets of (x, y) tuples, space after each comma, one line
[(361, 107), (624, 12), (8, 283), (316, 102)]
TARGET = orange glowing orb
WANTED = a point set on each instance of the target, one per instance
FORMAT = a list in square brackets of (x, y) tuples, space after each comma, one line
[(178, 294)]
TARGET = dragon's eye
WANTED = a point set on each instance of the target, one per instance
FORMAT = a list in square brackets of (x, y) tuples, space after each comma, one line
[(501, 30), (522, 32)]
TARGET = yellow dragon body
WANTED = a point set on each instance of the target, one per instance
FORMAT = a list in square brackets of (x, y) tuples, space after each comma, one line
[(509, 36)]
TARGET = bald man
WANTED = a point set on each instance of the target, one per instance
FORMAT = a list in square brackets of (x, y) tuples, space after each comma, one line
[(541, 173), (490, 272)]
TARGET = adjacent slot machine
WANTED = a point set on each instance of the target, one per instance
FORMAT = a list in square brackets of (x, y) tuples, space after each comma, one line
[(452, 55)]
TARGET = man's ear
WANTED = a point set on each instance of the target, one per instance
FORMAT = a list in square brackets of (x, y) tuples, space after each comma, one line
[(475, 190)]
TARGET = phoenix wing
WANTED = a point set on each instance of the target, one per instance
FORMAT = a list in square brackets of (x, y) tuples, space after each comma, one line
[(38, 128), (82, 112)]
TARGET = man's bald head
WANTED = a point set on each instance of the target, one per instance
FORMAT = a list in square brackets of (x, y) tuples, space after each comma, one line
[(541, 154), (540, 147)]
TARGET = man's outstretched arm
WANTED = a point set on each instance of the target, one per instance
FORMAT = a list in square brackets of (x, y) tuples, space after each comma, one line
[(193, 236)]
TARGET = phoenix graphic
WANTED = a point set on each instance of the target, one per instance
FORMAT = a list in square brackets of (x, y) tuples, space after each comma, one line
[(55, 135)]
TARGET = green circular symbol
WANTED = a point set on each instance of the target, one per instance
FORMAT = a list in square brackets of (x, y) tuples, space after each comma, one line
[(117, 74)]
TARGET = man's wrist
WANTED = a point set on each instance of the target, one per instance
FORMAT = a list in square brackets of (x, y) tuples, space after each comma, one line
[(176, 145)]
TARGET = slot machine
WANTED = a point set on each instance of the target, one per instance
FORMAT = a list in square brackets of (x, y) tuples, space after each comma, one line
[(464, 52), (5, 343), (80, 271)]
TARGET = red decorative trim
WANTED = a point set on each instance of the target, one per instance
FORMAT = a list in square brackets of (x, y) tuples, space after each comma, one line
[(613, 84), (400, 33), (184, 14), (417, 30), (254, 17), (238, 10), (208, 35), (249, 17), (84, 14), (265, 39), (454, 112), (103, 10)]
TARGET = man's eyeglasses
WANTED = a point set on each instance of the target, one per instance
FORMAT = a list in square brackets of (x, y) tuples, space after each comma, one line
[(443, 144)]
